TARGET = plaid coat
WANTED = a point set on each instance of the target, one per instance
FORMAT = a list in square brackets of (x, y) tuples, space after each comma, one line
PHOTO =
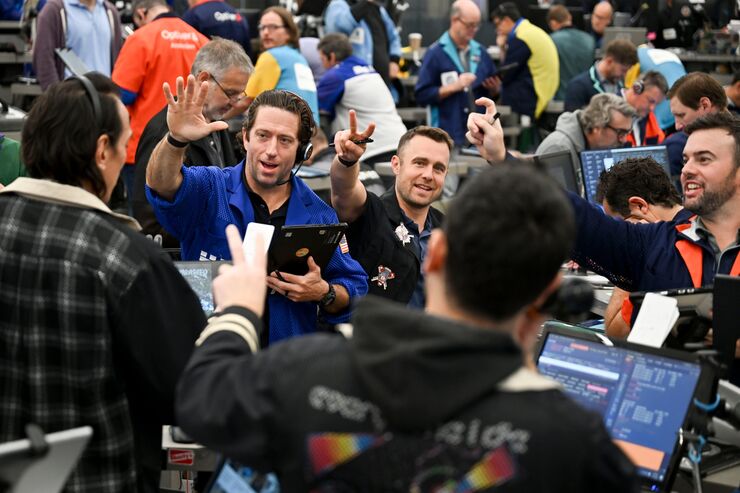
[(96, 325)]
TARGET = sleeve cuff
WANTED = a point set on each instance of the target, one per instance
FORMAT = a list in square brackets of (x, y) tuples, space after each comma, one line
[(395, 58), (238, 320)]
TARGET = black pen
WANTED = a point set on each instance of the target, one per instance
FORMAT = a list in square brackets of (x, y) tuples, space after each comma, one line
[(495, 117), (358, 142)]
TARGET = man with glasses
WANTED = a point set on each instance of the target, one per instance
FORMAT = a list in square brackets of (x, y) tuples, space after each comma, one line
[(534, 74), (226, 67), (456, 70), (161, 49), (604, 124)]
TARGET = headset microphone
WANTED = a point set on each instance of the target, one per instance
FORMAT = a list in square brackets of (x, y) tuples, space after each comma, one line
[(303, 154)]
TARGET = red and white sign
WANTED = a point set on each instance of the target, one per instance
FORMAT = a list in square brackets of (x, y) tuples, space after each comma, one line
[(181, 457)]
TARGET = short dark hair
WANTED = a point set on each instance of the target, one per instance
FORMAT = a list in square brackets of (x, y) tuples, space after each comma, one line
[(506, 9), (508, 231), (655, 79), (147, 4), (337, 43), (723, 120), (622, 51), (434, 133), (57, 147), (288, 23), (559, 13), (284, 100), (690, 88), (636, 177)]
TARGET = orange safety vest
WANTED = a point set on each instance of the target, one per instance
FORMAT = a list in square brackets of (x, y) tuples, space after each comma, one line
[(654, 135), (691, 253)]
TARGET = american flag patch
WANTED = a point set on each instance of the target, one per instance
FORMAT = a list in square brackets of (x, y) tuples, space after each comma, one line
[(343, 245)]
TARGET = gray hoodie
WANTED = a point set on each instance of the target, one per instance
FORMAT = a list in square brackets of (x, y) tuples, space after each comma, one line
[(567, 136)]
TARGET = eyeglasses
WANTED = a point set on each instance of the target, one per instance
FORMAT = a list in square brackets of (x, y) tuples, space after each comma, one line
[(268, 27), (233, 96), (621, 133), (470, 25)]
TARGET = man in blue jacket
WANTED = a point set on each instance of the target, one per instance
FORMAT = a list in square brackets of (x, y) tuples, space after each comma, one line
[(456, 70), (196, 204), (662, 255)]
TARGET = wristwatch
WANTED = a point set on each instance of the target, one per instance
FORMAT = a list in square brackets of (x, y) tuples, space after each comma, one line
[(329, 297)]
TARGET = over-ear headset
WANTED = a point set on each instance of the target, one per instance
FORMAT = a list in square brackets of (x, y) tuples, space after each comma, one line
[(303, 153), (305, 148), (94, 97), (638, 87)]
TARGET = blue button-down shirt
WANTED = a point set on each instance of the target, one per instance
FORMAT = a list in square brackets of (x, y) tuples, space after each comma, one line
[(89, 35), (420, 241)]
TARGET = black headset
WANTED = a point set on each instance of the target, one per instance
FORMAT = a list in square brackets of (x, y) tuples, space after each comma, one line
[(94, 97), (305, 148), (638, 87), (303, 153)]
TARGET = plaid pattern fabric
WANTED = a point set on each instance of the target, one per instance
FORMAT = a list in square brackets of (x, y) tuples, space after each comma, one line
[(61, 268)]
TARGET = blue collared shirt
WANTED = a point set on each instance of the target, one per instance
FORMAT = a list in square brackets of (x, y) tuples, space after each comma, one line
[(420, 241), (89, 35)]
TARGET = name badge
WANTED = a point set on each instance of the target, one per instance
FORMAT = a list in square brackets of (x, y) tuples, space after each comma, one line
[(448, 77)]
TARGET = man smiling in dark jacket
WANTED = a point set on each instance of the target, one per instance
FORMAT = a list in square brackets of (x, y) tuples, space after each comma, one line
[(412, 401)]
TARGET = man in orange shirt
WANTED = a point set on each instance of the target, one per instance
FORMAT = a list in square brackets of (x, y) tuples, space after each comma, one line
[(161, 49)]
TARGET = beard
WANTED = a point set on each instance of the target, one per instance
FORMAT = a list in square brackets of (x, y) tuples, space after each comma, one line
[(711, 201)]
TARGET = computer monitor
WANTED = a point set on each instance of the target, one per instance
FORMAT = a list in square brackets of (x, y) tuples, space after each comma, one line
[(638, 35), (199, 276), (643, 394), (559, 165), (594, 162)]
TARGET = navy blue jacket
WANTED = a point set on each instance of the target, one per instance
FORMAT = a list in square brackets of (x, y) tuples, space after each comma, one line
[(218, 18), (583, 87), (451, 113), (640, 257)]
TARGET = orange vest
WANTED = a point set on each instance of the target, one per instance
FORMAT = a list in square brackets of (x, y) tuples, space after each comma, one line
[(691, 253), (653, 135)]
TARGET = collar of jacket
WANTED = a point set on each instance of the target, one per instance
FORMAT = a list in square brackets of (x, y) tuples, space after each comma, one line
[(57, 193), (301, 197), (395, 214), (450, 48)]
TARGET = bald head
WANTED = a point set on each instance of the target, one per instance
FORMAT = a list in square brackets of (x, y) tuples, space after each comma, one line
[(464, 22), (465, 8), (601, 17)]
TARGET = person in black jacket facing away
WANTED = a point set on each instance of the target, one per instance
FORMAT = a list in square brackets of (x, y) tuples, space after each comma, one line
[(226, 67), (97, 323), (413, 401)]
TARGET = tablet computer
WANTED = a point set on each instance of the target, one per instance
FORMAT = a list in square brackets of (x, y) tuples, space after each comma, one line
[(292, 245), (691, 301), (24, 472)]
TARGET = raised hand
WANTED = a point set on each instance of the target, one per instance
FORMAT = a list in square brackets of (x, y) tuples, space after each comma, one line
[(185, 115), (485, 132), (243, 282), (344, 141)]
